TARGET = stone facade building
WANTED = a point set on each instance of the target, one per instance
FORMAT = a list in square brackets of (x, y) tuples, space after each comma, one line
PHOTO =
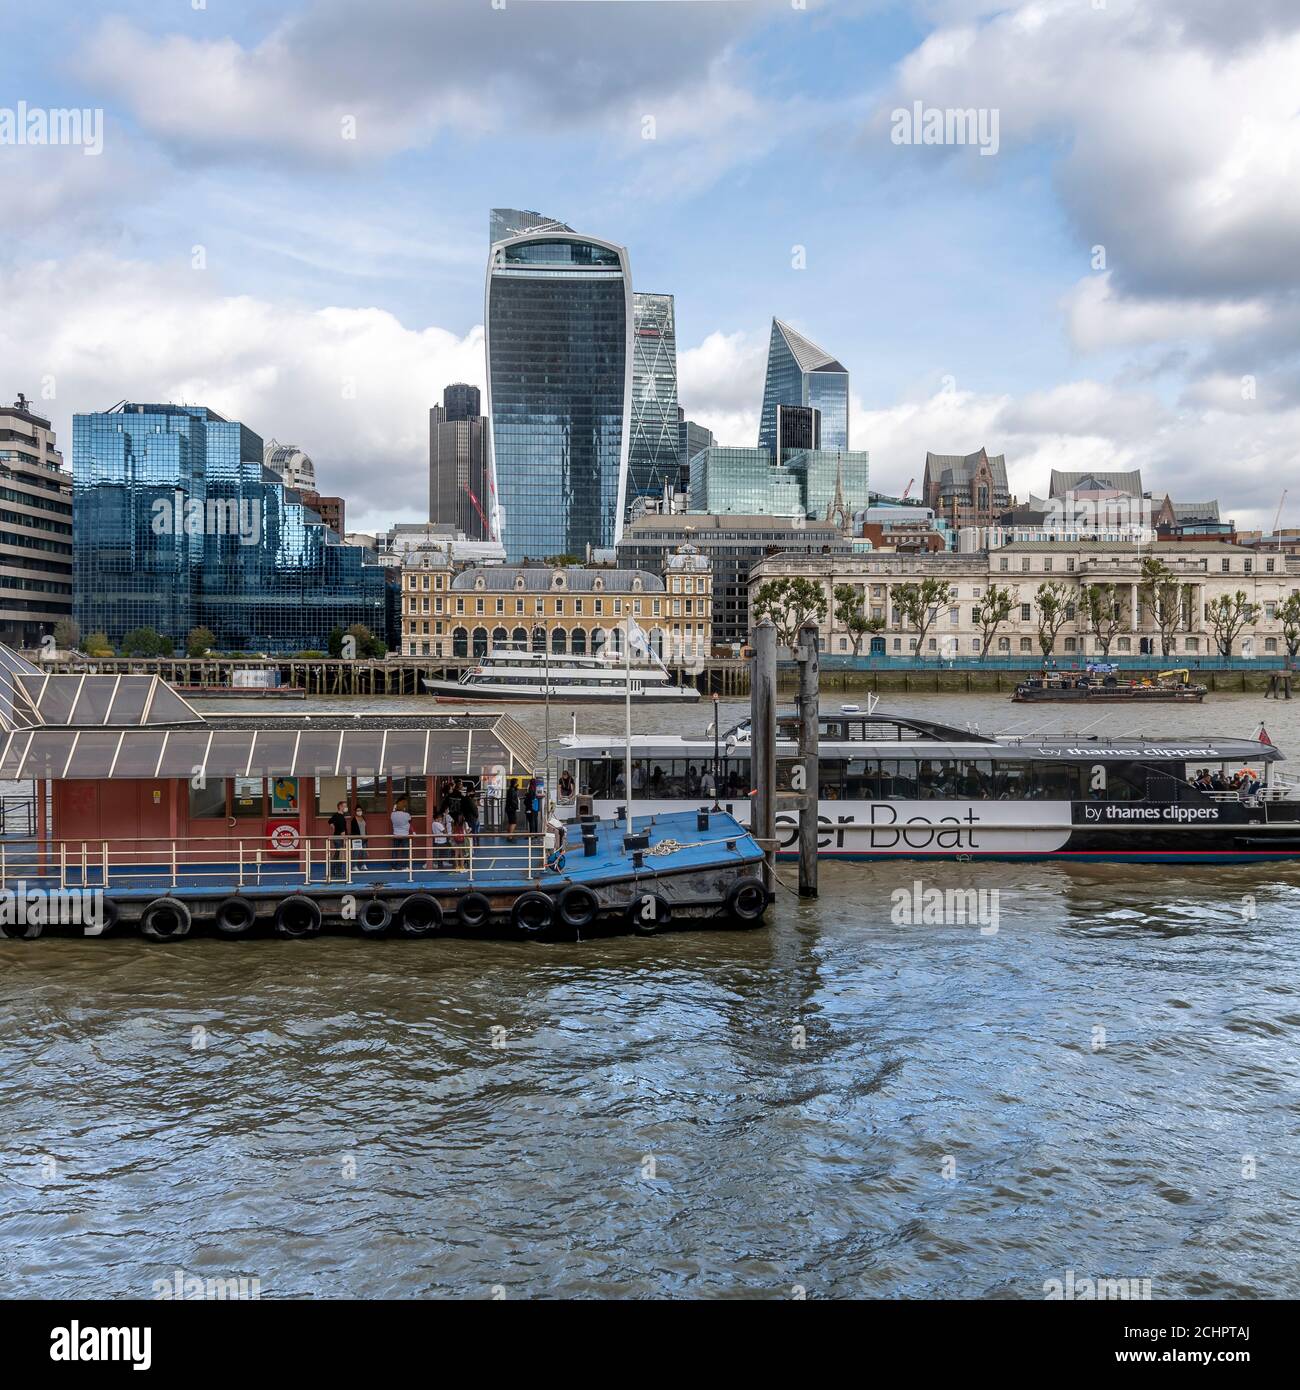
[(1208, 569)]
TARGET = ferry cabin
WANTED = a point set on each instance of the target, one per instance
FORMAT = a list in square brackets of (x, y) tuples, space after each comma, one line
[(895, 786)]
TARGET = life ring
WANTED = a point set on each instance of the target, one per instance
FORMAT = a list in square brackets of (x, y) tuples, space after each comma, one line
[(419, 915), (375, 917), (532, 912), (577, 906), (747, 900), (298, 916), (473, 911), (284, 838), (166, 919), (648, 913)]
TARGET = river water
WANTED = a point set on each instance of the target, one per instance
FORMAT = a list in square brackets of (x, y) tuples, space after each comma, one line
[(1106, 1083)]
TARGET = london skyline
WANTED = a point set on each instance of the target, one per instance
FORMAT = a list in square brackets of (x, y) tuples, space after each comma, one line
[(1113, 288)]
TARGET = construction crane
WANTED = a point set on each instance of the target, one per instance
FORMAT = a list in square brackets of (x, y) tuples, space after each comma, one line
[(1278, 517), (908, 489)]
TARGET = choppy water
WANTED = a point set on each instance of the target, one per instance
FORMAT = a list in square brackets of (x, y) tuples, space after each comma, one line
[(953, 1124)]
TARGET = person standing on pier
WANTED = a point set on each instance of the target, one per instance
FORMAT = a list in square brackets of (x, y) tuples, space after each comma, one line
[(512, 809), (338, 833), (401, 819), (357, 830)]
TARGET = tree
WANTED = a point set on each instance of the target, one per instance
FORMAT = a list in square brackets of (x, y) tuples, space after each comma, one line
[(367, 644), (335, 642), (1167, 599), (991, 612), (1054, 608), (97, 644), (1103, 613), (66, 634), (1288, 613), (144, 641), (200, 641), (790, 603), (849, 615), (918, 604), (1227, 615)]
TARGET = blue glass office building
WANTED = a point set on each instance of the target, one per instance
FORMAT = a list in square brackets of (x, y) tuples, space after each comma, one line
[(801, 373), (559, 357), (177, 524)]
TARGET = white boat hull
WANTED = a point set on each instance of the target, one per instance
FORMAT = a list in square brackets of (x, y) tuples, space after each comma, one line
[(457, 692)]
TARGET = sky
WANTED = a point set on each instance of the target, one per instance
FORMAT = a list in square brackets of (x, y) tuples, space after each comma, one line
[(287, 220)]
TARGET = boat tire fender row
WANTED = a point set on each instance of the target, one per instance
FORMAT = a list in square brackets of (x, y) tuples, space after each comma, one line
[(532, 912), (110, 913), (473, 911), (747, 900), (374, 917), (419, 915), (234, 916), (577, 906), (648, 913), (165, 919), (298, 916)]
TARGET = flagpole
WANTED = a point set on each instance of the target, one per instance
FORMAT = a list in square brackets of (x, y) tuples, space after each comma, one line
[(627, 714)]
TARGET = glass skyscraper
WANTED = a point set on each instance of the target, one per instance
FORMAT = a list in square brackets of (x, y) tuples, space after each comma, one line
[(559, 355), (801, 373), (654, 450), (178, 524)]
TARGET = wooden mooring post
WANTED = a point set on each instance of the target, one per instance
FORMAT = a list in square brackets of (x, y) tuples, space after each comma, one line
[(762, 744), (809, 746)]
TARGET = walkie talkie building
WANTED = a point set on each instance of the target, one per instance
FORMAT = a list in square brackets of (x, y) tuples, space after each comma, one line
[(559, 383)]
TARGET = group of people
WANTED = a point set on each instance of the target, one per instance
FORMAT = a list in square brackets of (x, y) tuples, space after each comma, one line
[(1244, 782), (453, 823)]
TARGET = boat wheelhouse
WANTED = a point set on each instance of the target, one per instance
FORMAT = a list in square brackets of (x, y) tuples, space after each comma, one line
[(518, 675), (892, 785)]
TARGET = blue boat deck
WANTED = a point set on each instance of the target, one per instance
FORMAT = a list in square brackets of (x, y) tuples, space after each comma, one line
[(500, 865)]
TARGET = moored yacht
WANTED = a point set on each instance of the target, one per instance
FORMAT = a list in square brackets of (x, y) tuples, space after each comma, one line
[(896, 786), (512, 674)]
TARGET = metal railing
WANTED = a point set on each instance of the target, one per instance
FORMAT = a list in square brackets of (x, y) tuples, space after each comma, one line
[(314, 861)]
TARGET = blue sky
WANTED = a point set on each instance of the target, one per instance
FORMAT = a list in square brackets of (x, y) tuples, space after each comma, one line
[(961, 290)]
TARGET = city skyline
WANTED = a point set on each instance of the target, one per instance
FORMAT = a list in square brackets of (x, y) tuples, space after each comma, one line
[(1113, 288)]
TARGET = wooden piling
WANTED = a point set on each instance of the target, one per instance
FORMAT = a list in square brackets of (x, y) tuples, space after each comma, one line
[(809, 745), (762, 736)]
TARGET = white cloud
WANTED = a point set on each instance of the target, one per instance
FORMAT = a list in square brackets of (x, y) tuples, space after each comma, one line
[(720, 385), (103, 329), (1099, 318)]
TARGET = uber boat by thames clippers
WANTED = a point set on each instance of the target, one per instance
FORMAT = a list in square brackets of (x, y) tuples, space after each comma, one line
[(527, 676), (912, 788)]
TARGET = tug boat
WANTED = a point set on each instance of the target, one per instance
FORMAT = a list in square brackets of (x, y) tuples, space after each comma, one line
[(894, 786), (1102, 684)]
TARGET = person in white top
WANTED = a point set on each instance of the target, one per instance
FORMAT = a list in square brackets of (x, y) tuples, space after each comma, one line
[(438, 829), (401, 833)]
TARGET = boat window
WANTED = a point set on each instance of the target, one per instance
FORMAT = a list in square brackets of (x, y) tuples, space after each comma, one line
[(208, 802), (414, 790), (372, 793), (247, 800)]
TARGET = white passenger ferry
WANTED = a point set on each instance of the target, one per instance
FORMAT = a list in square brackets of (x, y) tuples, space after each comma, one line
[(894, 786), (509, 674)]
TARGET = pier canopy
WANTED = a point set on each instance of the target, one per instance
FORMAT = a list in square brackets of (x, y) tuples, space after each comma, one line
[(107, 726)]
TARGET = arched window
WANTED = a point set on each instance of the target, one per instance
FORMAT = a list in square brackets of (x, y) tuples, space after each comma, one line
[(657, 639), (579, 641), (599, 637), (460, 642), (480, 641), (499, 638), (539, 639), (616, 641), (558, 641), (519, 639)]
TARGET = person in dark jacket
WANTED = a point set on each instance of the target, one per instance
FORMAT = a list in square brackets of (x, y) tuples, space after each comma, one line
[(338, 833), (512, 808)]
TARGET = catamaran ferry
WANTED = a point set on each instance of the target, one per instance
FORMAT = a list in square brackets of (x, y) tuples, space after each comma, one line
[(518, 676), (894, 786)]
